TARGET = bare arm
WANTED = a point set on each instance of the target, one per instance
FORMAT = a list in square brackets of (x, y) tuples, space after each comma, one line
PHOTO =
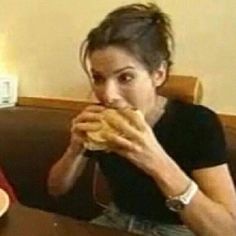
[(212, 211), (65, 172), (70, 166), (217, 203)]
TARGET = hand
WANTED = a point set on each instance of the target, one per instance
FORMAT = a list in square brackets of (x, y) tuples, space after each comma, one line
[(137, 143), (88, 120)]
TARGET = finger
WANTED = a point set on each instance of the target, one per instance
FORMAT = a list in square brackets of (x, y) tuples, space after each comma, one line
[(123, 127), (77, 139), (116, 142), (135, 117), (87, 127), (95, 108), (77, 134), (91, 109), (87, 116)]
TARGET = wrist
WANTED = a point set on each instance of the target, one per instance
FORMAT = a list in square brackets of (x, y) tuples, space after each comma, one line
[(179, 202), (169, 177), (74, 150)]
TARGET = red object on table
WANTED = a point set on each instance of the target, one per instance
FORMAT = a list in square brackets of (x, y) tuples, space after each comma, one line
[(5, 185)]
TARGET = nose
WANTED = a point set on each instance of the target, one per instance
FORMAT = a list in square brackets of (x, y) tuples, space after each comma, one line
[(110, 94)]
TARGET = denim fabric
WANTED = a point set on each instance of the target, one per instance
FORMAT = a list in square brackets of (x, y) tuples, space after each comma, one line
[(113, 218)]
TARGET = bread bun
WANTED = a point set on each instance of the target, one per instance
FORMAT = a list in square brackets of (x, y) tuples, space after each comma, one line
[(94, 140)]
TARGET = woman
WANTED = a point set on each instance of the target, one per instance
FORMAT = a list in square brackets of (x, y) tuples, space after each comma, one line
[(168, 172)]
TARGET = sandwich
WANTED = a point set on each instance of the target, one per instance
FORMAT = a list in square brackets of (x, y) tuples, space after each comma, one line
[(95, 140)]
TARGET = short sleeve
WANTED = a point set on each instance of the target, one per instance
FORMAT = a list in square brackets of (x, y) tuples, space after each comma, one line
[(91, 154), (95, 154), (209, 146)]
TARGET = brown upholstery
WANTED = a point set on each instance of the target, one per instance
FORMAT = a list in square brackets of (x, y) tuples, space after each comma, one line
[(32, 139), (184, 88), (30, 142), (229, 124)]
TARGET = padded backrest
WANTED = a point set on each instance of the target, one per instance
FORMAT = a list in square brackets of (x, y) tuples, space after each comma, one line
[(184, 88)]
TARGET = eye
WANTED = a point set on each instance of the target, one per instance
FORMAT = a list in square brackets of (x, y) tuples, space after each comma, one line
[(125, 78)]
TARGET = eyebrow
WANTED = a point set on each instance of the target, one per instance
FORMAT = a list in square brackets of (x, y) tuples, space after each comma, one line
[(117, 71)]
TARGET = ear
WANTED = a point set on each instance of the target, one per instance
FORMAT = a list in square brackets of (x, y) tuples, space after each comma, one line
[(159, 75)]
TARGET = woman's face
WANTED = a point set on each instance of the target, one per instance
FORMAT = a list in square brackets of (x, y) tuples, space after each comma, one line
[(120, 80)]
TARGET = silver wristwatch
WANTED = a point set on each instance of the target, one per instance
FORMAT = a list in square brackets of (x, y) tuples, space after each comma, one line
[(178, 203)]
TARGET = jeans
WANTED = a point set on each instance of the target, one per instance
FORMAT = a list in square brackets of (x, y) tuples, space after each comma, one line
[(113, 218)]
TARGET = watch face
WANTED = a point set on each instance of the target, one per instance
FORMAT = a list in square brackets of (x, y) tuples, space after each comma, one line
[(175, 205)]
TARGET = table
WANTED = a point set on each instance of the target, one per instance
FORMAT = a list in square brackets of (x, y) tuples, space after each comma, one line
[(24, 221)]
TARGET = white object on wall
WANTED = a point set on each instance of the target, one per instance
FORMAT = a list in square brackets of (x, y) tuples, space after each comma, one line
[(8, 91)]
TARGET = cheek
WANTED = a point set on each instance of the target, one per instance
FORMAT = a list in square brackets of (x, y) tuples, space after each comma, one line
[(140, 96), (97, 93)]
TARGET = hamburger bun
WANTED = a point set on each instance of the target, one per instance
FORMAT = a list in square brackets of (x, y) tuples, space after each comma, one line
[(94, 140)]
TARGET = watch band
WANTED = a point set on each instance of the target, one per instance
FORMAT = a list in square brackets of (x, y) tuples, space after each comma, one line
[(177, 203), (189, 193)]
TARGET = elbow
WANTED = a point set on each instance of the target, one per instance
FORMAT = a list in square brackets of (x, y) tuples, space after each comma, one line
[(229, 228), (55, 188), (232, 214), (54, 191)]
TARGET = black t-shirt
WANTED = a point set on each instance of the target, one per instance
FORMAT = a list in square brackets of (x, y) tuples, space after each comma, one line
[(193, 137)]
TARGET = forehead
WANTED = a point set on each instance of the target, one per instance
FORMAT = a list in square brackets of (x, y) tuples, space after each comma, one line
[(112, 58)]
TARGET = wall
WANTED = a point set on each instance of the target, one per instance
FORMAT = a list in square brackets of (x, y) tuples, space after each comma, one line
[(39, 43)]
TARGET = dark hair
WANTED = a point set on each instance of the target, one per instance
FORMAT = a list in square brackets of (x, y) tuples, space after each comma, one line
[(141, 29)]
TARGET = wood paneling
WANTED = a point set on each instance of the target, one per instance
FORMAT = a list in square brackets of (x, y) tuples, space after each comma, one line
[(228, 120), (51, 103)]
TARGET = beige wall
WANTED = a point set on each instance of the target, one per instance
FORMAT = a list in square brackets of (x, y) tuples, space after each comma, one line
[(39, 43)]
